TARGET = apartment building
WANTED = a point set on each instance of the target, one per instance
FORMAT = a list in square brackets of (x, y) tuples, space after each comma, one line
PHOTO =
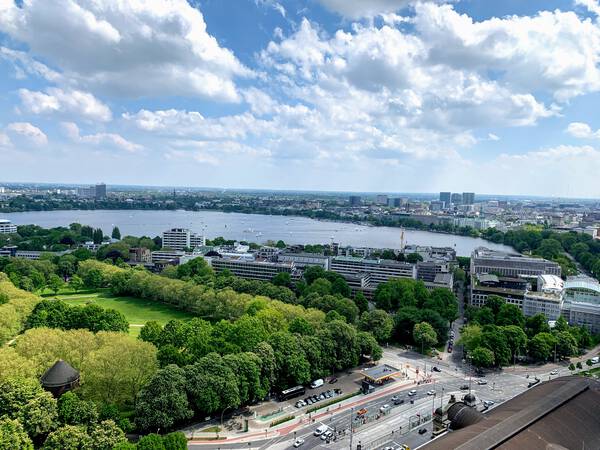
[(181, 238), (6, 227)]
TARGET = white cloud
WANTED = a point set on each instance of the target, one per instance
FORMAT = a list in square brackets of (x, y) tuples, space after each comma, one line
[(591, 5), (557, 52), (25, 64), (99, 139), (582, 130), (272, 4), (69, 102), (130, 48), (356, 9), (4, 140), (30, 133), (493, 137)]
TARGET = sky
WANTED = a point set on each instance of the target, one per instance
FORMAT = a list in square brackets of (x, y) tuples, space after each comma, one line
[(498, 97)]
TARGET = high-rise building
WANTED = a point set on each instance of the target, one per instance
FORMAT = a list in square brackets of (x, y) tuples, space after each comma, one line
[(468, 198), (100, 191), (181, 238), (355, 200), (382, 200), (456, 199), (445, 198), (435, 205)]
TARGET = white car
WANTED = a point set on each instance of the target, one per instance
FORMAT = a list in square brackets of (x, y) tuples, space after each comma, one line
[(411, 393), (430, 392), (327, 435), (554, 372), (384, 408), (480, 382), (488, 403), (298, 442)]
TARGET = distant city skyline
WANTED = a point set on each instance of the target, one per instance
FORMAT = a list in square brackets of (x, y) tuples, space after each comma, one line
[(378, 96)]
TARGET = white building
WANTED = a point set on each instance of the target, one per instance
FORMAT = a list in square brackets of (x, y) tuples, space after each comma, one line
[(6, 227), (582, 302), (302, 260), (380, 270), (547, 299), (181, 238)]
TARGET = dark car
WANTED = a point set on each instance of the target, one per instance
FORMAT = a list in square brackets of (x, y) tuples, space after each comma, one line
[(464, 387), (422, 431), (333, 380), (436, 369)]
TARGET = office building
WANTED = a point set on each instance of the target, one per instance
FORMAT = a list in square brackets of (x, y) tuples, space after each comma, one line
[(581, 305), (431, 253), (468, 198), (302, 260), (511, 289), (97, 192), (445, 198), (436, 206), (394, 202), (355, 200), (254, 270), (380, 270), (473, 222), (181, 238), (456, 199), (547, 299), (6, 227), (484, 260), (382, 200), (435, 274)]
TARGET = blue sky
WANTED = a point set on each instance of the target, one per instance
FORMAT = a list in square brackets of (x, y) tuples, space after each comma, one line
[(385, 95)]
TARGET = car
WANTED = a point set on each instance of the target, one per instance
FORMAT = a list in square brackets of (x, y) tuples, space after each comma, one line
[(385, 408), (400, 401), (320, 430), (464, 387), (422, 431), (431, 392), (317, 383), (449, 349), (309, 401), (327, 394), (327, 435), (322, 396), (554, 372), (298, 442), (394, 398), (488, 403), (361, 412), (436, 369), (333, 380), (481, 382), (315, 398), (412, 392)]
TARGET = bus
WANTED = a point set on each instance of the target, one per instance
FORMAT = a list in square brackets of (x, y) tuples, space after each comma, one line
[(291, 393)]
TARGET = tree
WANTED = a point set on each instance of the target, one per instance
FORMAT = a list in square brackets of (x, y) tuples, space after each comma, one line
[(291, 366), (361, 302), (536, 324), (68, 437), (320, 286), (76, 283), (471, 337), (13, 435), (495, 340), (484, 316), (282, 279), (151, 332), (55, 283), (105, 435), (510, 314), (74, 411), (482, 357), (98, 236), (116, 233), (541, 346), (572, 367), (163, 402), (578, 365), (301, 326), (561, 324), (175, 441), (280, 244), (588, 362), (368, 346), (566, 344), (516, 338), (424, 335), (26, 401), (151, 441), (378, 322), (495, 302), (413, 258)]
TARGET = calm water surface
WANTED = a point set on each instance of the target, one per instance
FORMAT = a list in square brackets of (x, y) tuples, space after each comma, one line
[(249, 227)]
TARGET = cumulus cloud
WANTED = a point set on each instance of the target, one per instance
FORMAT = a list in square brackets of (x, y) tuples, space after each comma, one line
[(582, 130), (99, 139), (356, 9), (28, 132), (132, 48), (68, 102)]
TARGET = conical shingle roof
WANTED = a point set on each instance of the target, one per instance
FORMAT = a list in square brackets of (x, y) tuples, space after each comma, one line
[(60, 374)]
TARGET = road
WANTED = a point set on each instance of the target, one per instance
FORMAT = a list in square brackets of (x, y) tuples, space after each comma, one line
[(500, 387)]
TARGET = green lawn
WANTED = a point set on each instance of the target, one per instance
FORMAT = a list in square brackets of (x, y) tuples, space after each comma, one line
[(137, 311)]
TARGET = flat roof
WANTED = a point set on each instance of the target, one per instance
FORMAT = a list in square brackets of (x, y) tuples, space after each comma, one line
[(380, 372)]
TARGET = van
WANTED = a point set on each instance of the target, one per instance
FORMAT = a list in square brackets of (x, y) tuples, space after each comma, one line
[(595, 360), (320, 430), (316, 383)]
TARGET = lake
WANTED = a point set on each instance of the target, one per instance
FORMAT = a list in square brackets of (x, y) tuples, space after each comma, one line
[(249, 227)]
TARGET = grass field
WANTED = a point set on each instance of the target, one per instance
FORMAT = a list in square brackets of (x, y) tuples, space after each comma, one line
[(137, 311)]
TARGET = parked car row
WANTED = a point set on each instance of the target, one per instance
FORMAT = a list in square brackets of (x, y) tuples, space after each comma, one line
[(311, 399)]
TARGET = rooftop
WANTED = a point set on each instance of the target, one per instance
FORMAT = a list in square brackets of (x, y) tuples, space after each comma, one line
[(562, 413), (60, 374), (380, 372)]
